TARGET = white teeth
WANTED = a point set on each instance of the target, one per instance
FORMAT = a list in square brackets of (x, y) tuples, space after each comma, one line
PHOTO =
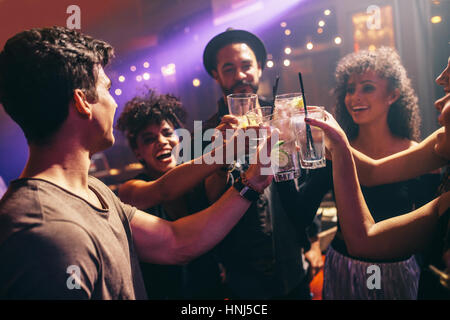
[(163, 154), (360, 108)]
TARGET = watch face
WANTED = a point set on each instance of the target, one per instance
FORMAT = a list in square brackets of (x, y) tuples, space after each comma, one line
[(244, 190)]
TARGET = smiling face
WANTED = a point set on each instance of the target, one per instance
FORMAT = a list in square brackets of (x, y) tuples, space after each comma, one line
[(368, 97), (154, 146), (237, 69)]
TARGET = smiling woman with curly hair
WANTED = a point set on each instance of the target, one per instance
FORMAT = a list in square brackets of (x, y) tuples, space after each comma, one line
[(377, 108), (403, 116), (149, 123)]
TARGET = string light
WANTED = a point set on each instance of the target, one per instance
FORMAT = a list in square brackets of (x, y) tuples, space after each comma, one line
[(146, 76), (327, 12), (269, 64), (287, 50), (118, 92), (121, 79), (287, 32), (309, 46), (196, 82), (287, 62), (133, 68), (338, 40)]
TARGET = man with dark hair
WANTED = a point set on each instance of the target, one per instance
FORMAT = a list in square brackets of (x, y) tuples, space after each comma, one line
[(64, 234), (262, 254)]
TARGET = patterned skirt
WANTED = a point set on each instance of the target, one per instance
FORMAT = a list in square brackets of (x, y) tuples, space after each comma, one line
[(346, 278)]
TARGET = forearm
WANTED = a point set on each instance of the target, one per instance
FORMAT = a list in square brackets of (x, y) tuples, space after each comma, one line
[(353, 214), (172, 185), (401, 166), (216, 185), (392, 238)]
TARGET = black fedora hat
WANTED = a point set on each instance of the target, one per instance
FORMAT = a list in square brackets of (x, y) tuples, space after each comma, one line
[(233, 36)]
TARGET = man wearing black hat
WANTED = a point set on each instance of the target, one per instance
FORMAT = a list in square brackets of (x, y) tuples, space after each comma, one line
[(262, 255)]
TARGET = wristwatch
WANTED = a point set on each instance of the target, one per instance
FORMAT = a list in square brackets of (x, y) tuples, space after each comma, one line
[(245, 191)]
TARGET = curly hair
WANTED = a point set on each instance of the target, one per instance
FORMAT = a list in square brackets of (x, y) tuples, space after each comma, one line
[(403, 116), (141, 111), (39, 71)]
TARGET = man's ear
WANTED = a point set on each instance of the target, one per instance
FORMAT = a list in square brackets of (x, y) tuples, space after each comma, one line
[(215, 75), (83, 107), (395, 94), (137, 154)]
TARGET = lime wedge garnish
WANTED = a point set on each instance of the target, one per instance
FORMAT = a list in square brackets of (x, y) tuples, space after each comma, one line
[(297, 102)]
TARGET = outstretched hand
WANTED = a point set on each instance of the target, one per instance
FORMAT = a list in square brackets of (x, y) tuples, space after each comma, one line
[(335, 138), (260, 173)]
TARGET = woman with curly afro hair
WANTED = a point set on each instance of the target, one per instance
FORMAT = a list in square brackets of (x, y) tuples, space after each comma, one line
[(377, 108), (149, 123)]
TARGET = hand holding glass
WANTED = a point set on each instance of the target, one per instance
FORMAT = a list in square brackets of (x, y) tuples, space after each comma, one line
[(311, 156)]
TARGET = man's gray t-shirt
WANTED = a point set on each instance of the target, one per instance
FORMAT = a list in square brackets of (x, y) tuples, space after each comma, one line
[(56, 245)]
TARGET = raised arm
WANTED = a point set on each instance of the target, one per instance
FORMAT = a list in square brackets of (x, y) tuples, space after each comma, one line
[(170, 186), (410, 163), (389, 239), (181, 179), (164, 242)]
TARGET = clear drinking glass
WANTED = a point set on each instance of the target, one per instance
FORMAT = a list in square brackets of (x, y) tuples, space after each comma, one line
[(284, 154), (241, 103), (288, 104), (312, 151)]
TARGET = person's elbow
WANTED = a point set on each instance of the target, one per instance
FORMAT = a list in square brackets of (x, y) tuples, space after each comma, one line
[(179, 253)]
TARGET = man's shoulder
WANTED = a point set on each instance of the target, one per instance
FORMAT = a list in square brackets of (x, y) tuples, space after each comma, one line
[(20, 207), (34, 202), (41, 258)]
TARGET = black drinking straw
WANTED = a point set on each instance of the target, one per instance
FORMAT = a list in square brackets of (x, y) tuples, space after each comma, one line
[(274, 92), (309, 144)]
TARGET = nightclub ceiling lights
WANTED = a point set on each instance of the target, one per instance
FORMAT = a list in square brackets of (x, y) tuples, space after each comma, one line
[(338, 40), (133, 68), (139, 78), (327, 12), (118, 92), (146, 76), (287, 32), (196, 82), (269, 64), (309, 46), (287, 62), (283, 24), (321, 23), (287, 50), (168, 70), (121, 79), (146, 64)]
